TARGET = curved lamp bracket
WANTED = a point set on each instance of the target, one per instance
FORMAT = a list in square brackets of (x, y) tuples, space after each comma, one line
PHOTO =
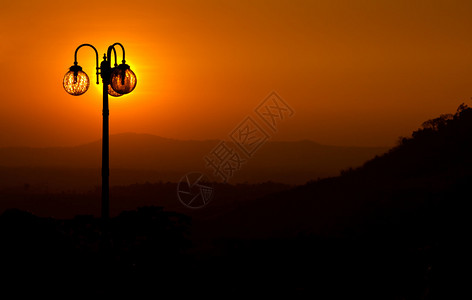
[(113, 47), (96, 57), (114, 52)]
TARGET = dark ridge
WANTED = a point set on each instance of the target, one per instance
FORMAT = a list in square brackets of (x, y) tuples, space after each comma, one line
[(393, 228)]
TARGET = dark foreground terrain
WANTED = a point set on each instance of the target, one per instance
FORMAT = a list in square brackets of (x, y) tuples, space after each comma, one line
[(394, 228)]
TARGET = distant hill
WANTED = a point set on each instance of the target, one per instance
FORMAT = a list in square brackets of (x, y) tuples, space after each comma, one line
[(394, 228), (417, 188), (143, 157)]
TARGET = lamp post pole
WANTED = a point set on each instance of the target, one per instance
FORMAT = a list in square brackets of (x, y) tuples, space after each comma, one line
[(105, 67), (117, 81)]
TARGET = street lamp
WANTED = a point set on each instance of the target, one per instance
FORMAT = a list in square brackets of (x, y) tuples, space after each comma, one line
[(117, 81)]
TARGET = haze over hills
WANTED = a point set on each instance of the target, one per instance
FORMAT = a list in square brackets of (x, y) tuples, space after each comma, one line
[(143, 157), (411, 190), (394, 228)]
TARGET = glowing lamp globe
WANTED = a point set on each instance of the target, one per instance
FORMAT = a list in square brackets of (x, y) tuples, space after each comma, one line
[(123, 80), (112, 92), (76, 82)]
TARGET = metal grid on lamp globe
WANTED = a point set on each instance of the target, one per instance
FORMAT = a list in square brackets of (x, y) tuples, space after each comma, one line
[(76, 82), (123, 80), (112, 92)]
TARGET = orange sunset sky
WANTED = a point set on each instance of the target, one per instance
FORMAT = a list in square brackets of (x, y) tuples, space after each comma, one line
[(356, 72)]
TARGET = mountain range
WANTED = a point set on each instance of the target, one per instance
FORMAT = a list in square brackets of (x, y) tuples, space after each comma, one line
[(394, 228), (138, 158)]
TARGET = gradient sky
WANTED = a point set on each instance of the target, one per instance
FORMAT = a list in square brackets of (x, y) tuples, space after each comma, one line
[(356, 72)]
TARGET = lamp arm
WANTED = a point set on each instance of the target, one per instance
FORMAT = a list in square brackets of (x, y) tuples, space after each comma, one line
[(113, 47), (114, 52), (96, 57)]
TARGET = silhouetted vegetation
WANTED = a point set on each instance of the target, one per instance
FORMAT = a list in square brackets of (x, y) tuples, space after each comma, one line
[(394, 228), (77, 256), (67, 204)]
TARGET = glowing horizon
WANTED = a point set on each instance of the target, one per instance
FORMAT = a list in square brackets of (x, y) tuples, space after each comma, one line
[(358, 74)]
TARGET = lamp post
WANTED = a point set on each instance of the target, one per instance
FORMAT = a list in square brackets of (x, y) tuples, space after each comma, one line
[(117, 81)]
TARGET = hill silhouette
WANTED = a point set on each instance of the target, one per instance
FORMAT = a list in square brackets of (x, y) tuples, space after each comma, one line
[(434, 161), (405, 210), (138, 158), (393, 228)]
